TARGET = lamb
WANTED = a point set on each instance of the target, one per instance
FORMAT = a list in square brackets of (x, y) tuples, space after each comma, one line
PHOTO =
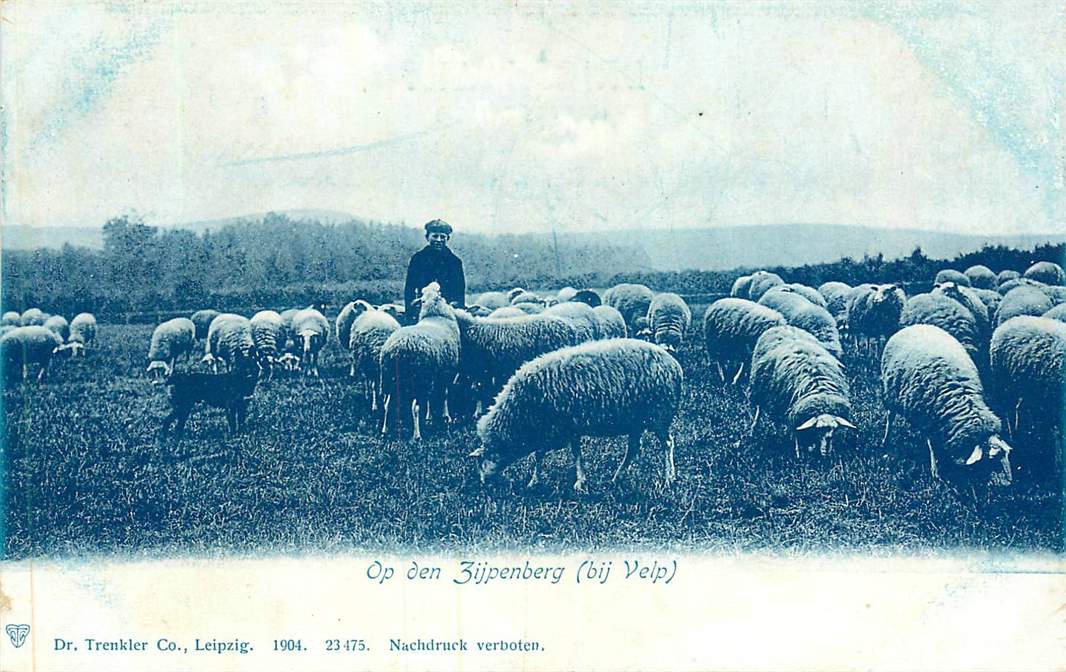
[(202, 319), (609, 323), (1006, 275), (928, 378), (741, 287), (762, 282), (10, 318), (493, 349), (669, 319), (310, 330), (600, 389), (32, 344), (170, 340), (1022, 300), (1028, 356), (799, 312), (801, 384), (493, 300), (33, 317), (981, 277), (58, 324), (731, 327), (83, 329), (951, 275), (1047, 272), (630, 300), (836, 298), (581, 316), (365, 341), (947, 314), (588, 296), (508, 311), (269, 336), (418, 362), (874, 311), (231, 391), (1057, 313), (229, 341)]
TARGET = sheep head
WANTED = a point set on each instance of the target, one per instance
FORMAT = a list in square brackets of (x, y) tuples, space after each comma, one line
[(488, 463), (288, 361), (819, 431), (159, 371), (989, 461), (310, 338)]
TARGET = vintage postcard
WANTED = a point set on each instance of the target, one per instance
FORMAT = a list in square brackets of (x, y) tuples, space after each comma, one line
[(704, 336)]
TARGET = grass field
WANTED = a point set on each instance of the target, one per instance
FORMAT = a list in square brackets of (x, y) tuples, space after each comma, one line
[(86, 473)]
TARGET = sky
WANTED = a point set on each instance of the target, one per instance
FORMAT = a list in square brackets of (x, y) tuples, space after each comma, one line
[(527, 117)]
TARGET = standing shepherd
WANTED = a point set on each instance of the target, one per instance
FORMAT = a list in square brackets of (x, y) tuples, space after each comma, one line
[(435, 263)]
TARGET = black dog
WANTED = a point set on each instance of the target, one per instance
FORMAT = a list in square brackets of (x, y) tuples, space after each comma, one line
[(231, 391)]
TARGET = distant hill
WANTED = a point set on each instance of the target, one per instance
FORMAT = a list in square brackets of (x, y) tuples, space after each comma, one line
[(795, 244)]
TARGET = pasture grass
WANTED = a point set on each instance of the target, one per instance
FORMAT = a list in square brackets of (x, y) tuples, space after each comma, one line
[(86, 473)]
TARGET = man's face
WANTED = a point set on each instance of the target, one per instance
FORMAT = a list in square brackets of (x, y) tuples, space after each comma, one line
[(438, 241)]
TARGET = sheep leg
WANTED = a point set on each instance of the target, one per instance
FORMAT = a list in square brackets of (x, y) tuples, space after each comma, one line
[(721, 373), (44, 373), (1017, 416), (447, 416), (888, 429), (183, 417), (351, 369), (796, 441), (579, 466), (632, 450), (932, 461), (538, 464), (666, 440), (417, 436), (739, 371), (755, 421), (385, 412)]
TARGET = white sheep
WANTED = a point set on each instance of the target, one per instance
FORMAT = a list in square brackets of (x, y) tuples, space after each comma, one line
[(82, 331), (10, 319), (598, 389), (799, 312), (981, 277), (33, 317), (799, 383), (669, 319), (418, 362), (928, 379), (229, 341), (809, 293), (1057, 313), (947, 314), (566, 294), (874, 311), (527, 297), (631, 300), (1022, 300), (171, 340), (33, 344), (493, 300), (580, 315), (762, 282), (1047, 272), (365, 341), (836, 298), (291, 344), (1007, 286), (951, 275), (969, 299), (741, 287), (202, 320), (529, 308), (731, 327), (343, 325), (513, 293), (58, 324), (1028, 358), (1057, 293), (269, 336), (310, 330), (991, 298), (609, 323), (508, 311), (1006, 275), (4, 328)]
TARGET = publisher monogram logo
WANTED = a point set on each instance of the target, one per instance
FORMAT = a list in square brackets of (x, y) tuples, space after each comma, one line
[(17, 632)]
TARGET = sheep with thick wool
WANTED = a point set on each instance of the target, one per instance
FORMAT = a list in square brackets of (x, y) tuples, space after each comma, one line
[(947, 314), (365, 342), (270, 337), (419, 362), (609, 323), (171, 340), (981, 277), (951, 275), (929, 379), (762, 282), (971, 301), (58, 324), (310, 330), (507, 312), (799, 312), (809, 293), (566, 294), (343, 325), (1007, 286), (1047, 272), (580, 315), (1022, 300), (229, 341), (1006, 275), (799, 383), (1028, 372), (991, 298), (493, 300), (598, 389), (203, 319), (631, 300), (836, 298), (1057, 313), (33, 317), (10, 318), (527, 297), (731, 327), (82, 331), (669, 319), (530, 308), (874, 311), (34, 344), (741, 286)]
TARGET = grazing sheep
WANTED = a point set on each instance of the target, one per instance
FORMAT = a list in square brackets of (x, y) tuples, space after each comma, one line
[(741, 287), (526, 297), (631, 300), (1006, 275), (368, 335), (396, 310), (10, 318), (969, 299), (82, 331), (802, 385), (928, 378), (493, 349), (581, 316), (231, 391), (809, 293), (478, 310), (1007, 286), (836, 298), (343, 324), (32, 344), (1047, 272), (731, 327), (669, 319), (513, 293), (170, 340), (1057, 313), (33, 317), (609, 323), (947, 314), (1022, 300), (269, 336), (874, 311), (310, 330), (641, 328), (1057, 293), (951, 275), (530, 308), (991, 298), (762, 282), (229, 341), (202, 319), (508, 311), (1028, 356), (418, 362), (493, 300), (566, 294), (588, 296), (58, 324), (981, 277), (799, 312), (599, 389)]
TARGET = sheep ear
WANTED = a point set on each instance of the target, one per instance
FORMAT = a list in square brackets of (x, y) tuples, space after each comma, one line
[(477, 452), (844, 422), (807, 425), (975, 456)]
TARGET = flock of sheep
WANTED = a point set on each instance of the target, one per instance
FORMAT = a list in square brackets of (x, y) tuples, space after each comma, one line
[(542, 371)]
